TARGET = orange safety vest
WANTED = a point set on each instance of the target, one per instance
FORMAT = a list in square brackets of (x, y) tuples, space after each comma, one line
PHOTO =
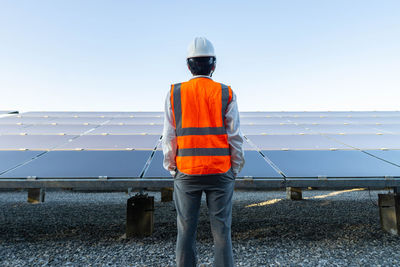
[(199, 107)]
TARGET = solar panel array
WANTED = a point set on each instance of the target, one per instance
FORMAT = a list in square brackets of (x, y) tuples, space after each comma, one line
[(278, 145)]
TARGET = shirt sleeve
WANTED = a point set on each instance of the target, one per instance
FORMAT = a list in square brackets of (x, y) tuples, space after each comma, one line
[(169, 137), (235, 136)]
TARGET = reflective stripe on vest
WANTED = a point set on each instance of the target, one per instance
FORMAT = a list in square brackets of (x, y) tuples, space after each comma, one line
[(213, 140), (185, 152)]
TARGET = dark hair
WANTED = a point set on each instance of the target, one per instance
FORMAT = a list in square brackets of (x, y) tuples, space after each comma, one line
[(201, 65)]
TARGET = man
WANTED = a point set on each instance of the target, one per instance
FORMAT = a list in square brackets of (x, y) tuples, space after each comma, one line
[(202, 146)]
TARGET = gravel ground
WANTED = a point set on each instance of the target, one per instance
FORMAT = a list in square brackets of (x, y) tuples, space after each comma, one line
[(85, 229)]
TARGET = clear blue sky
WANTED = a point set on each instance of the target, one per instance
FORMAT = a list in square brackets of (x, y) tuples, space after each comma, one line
[(123, 55)]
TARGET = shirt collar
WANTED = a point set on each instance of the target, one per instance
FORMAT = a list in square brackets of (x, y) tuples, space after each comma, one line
[(200, 76)]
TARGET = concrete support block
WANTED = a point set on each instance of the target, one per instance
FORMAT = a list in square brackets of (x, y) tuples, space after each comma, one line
[(36, 195), (389, 212), (294, 193), (167, 194), (140, 216)]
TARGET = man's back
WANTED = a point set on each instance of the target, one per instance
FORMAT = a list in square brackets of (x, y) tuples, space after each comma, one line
[(199, 107)]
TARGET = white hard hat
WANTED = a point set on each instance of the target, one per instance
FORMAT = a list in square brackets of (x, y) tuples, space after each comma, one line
[(200, 47)]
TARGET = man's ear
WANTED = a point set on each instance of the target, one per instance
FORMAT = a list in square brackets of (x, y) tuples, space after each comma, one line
[(212, 70)]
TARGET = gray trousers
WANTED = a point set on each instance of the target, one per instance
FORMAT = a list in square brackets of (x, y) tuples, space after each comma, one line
[(187, 197)]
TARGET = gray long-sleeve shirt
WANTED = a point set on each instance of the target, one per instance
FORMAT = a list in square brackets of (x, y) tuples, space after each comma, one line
[(232, 125)]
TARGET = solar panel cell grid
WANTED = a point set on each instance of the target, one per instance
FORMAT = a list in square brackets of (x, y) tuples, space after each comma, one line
[(374, 120), (343, 163), (92, 114), (137, 120), (80, 120), (10, 159), (12, 129), (26, 120), (294, 142), (112, 142), (369, 141), (33, 142), (83, 164), (340, 128), (392, 156), (147, 114), (319, 120), (262, 120), (56, 129), (320, 113), (273, 129), (388, 128), (256, 166), (128, 129)]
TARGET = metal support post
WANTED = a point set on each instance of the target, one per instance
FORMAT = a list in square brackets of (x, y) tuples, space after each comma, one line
[(294, 193), (167, 194), (139, 216), (36, 195), (389, 212)]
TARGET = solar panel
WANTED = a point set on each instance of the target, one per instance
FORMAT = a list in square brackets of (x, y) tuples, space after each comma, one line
[(294, 142), (26, 120), (370, 113), (93, 113), (112, 142), (340, 128), (341, 163), (320, 113), (128, 129), (12, 129), (244, 114), (9, 159), (369, 141), (156, 168), (70, 129), (138, 120), (79, 120), (319, 120), (62, 113), (387, 128), (272, 129), (255, 166), (392, 156), (33, 142), (147, 114), (118, 144), (374, 120), (263, 120), (82, 164), (289, 114), (255, 113), (292, 120)]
